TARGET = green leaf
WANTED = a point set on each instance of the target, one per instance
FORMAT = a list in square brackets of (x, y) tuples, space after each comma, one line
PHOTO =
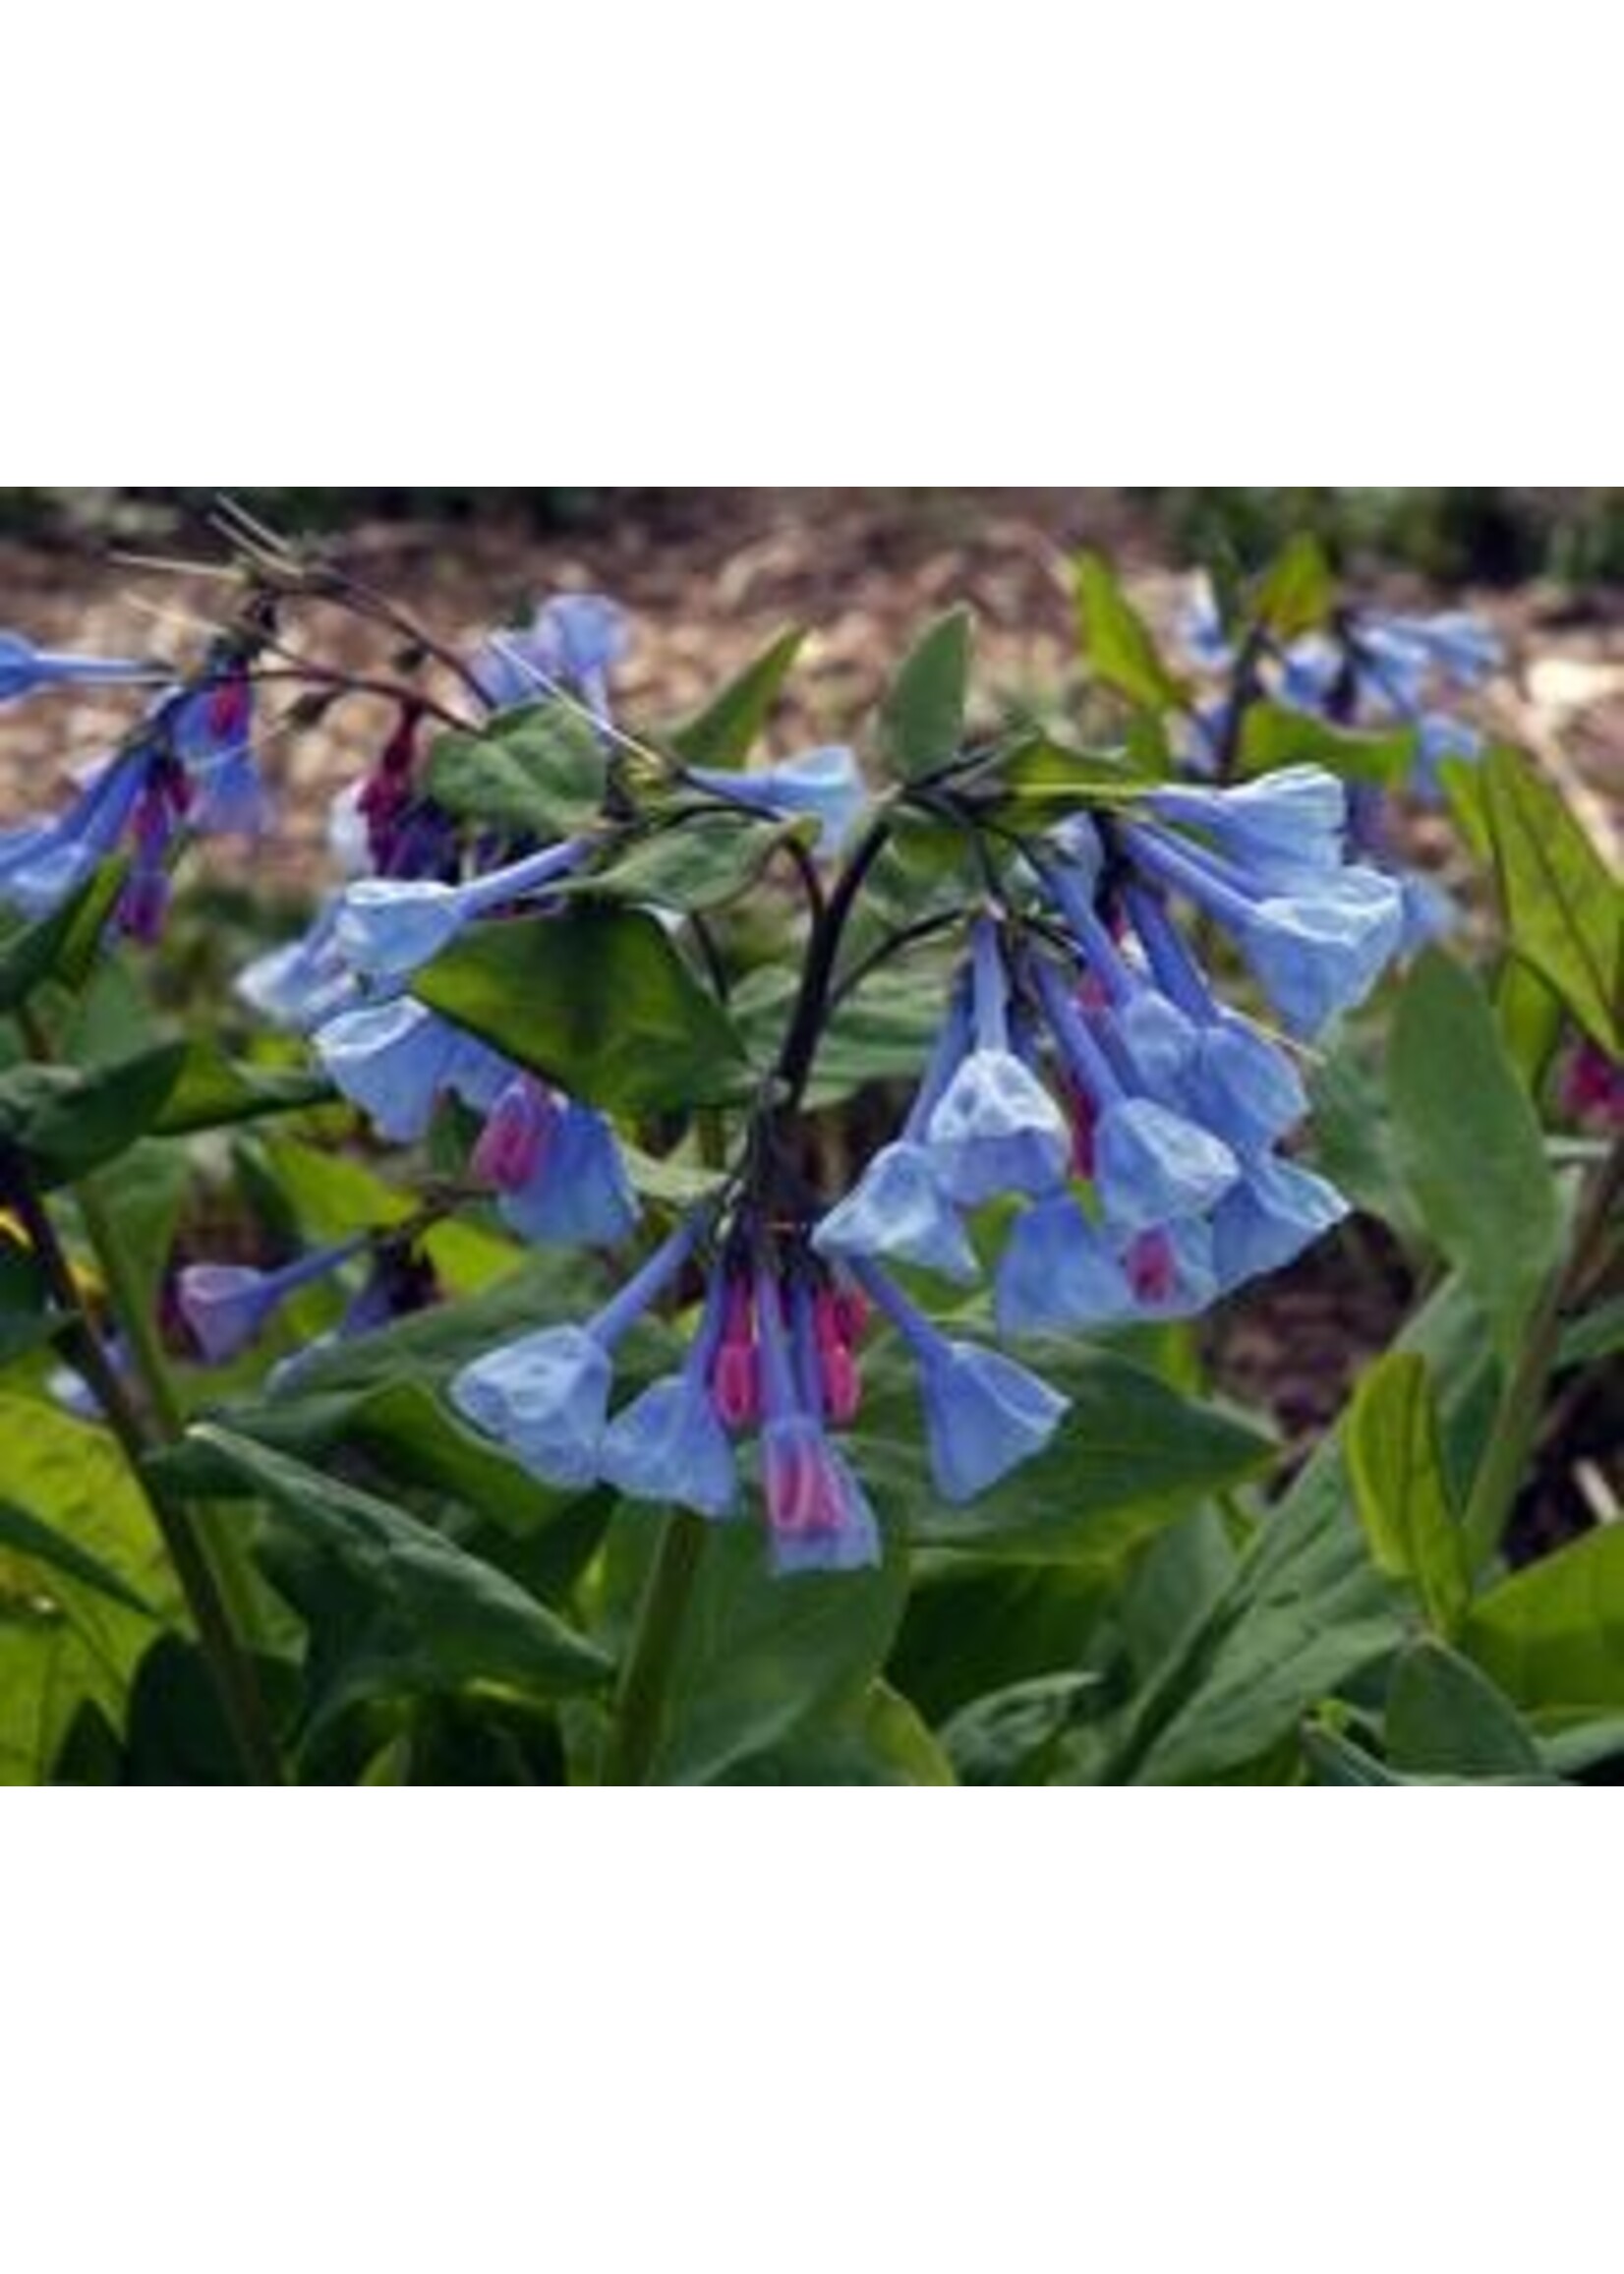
[(726, 730), (880, 1741), (1047, 779), (69, 1640), (1130, 1457), (54, 948), (1445, 1718), (1553, 1636), (922, 717), (69, 1122), (1395, 1460), (1564, 908), (1469, 1143), (597, 999), (709, 860), (1304, 1613), (1014, 1736), (413, 1441), (764, 1663), (38, 1542), (1117, 642), (1598, 1335), (213, 1092), (395, 1611), (1272, 736), (1337, 1761), (536, 772), (1298, 592)]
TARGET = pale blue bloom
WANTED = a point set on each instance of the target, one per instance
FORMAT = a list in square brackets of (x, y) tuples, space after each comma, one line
[(388, 929), (1277, 1211), (1317, 951), (985, 1415), (546, 1397), (669, 1445), (228, 1307), (900, 1209), (580, 1196), (1278, 826), (305, 982), (818, 1517), (396, 1060), (571, 647), (1059, 1273), (25, 669), (827, 784)]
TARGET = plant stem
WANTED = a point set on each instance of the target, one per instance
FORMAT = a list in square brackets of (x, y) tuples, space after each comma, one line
[(235, 1679), (800, 1047), (1511, 1440), (641, 1706)]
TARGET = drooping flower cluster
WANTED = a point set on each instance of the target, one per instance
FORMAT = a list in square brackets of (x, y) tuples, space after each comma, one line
[(1379, 669), (188, 769), (552, 1163), (1088, 1074), (773, 1362), (1087, 1077)]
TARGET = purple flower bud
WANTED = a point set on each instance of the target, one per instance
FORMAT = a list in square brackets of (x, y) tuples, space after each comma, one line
[(228, 1305)]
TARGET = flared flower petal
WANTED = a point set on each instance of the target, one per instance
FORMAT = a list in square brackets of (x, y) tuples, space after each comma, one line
[(898, 1210), (546, 1399), (1275, 1214), (826, 784), (580, 1194), (670, 1446), (1152, 1166), (985, 1415), (998, 1131), (1059, 1274), (393, 1061), (1285, 823), (818, 1515)]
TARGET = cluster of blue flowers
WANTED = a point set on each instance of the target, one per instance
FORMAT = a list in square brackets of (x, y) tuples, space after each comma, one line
[(553, 1162), (1092, 1113), (1088, 1083), (188, 769), (1379, 670), (1381, 673), (1088, 1074)]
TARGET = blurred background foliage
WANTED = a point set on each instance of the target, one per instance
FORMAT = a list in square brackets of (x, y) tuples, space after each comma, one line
[(1458, 535)]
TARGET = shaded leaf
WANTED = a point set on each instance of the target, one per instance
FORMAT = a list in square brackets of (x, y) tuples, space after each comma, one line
[(1469, 1143), (394, 1609), (1445, 1718), (726, 730), (536, 772), (1564, 908), (1273, 736), (1117, 642), (922, 717), (1553, 1636), (1395, 1460), (597, 999)]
